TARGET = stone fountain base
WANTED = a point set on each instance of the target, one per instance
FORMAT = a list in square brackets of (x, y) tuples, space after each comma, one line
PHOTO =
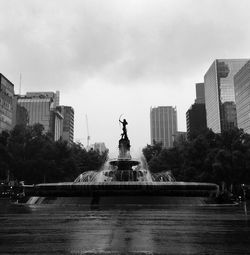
[(106, 202), (123, 188)]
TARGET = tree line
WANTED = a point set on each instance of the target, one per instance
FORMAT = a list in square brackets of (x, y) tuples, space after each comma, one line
[(29, 154), (209, 157)]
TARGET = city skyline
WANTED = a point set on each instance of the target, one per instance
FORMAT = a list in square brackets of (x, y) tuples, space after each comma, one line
[(119, 57)]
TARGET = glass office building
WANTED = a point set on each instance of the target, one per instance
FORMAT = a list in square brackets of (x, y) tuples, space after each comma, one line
[(219, 93), (163, 125), (242, 97), (6, 103)]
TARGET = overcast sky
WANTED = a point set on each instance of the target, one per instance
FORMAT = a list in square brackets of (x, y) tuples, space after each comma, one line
[(113, 57)]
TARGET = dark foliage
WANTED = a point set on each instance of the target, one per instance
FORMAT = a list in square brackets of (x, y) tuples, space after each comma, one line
[(28, 154), (209, 157)]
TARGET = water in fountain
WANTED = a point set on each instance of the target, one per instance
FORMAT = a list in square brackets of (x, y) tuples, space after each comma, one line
[(124, 168), (110, 173)]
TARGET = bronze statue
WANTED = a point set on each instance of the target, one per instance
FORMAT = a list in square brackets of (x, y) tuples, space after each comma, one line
[(124, 129)]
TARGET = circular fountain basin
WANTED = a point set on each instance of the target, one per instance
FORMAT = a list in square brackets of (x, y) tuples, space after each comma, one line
[(124, 164)]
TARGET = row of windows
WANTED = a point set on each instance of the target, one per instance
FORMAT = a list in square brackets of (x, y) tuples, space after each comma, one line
[(163, 125), (244, 118), (6, 83), (6, 105), (6, 98), (244, 91), (5, 119), (5, 112), (243, 105), (244, 123), (242, 86)]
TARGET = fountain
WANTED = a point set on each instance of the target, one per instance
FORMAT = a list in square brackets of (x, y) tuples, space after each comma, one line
[(122, 181)]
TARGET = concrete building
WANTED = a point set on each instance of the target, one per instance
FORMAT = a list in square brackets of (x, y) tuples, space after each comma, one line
[(163, 125), (55, 96), (68, 123), (57, 124), (40, 107), (196, 114), (6, 103), (196, 120), (219, 93), (20, 114), (200, 93), (242, 97)]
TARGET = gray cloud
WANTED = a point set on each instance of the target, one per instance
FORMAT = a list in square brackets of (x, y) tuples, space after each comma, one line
[(125, 41), (81, 46)]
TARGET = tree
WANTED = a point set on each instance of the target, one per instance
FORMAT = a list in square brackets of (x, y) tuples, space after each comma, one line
[(221, 158), (151, 151), (4, 155), (29, 154)]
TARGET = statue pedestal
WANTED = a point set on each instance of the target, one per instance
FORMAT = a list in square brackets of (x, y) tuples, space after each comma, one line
[(124, 164), (124, 149)]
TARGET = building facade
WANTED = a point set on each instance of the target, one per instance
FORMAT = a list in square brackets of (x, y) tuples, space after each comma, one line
[(41, 109), (68, 123), (163, 125), (200, 93), (196, 120), (56, 124), (6, 103), (220, 95), (196, 115), (20, 114), (54, 96), (242, 97)]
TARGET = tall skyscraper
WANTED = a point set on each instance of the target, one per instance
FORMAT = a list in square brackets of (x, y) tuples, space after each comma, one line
[(200, 93), (196, 114), (242, 97), (40, 107), (68, 123), (196, 120), (6, 103), (163, 125), (219, 93)]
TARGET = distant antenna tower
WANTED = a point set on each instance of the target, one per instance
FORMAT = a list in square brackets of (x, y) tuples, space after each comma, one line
[(87, 124), (20, 84)]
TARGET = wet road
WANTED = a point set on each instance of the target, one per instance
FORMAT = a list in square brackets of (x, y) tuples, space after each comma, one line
[(50, 229)]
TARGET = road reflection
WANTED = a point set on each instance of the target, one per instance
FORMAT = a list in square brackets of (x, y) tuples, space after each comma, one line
[(60, 229)]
